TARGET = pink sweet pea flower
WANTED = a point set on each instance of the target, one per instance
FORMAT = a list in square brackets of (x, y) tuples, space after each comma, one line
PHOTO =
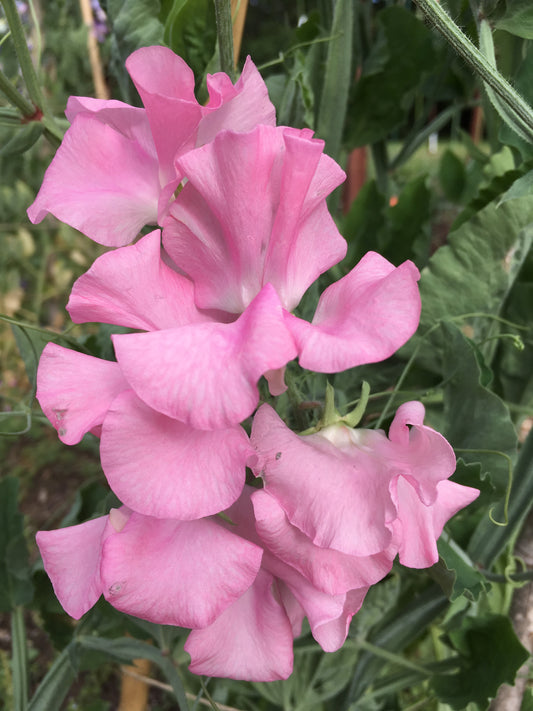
[(114, 171), (183, 573), (357, 491)]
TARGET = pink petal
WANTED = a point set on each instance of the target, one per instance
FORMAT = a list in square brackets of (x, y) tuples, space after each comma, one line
[(329, 615), (127, 120), (337, 501), (71, 558), (75, 390), (326, 569), (362, 318), (133, 287), (239, 108), (422, 454), (100, 182), (421, 525), (206, 374), (251, 640), (182, 573), (254, 212), (166, 86), (161, 467)]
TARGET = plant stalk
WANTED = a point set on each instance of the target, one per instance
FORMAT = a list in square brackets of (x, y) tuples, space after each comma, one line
[(225, 37), (475, 59)]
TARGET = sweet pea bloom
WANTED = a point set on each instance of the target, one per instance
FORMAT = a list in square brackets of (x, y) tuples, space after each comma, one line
[(115, 170), (357, 491), (196, 367)]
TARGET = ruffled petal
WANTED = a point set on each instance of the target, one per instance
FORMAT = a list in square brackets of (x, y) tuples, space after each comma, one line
[(133, 287), (420, 525), (362, 318), (166, 86), (422, 454), (251, 640), (161, 467), (75, 390), (206, 374), (100, 182), (254, 212), (71, 558), (182, 573), (338, 502), (327, 570), (239, 108)]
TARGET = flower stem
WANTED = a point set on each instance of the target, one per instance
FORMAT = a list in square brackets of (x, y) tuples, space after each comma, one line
[(23, 54), (225, 37), (14, 98), (475, 59)]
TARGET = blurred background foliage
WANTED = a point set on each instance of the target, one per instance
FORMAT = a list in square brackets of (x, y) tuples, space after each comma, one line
[(436, 173)]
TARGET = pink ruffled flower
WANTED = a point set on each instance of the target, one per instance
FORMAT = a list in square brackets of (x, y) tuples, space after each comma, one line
[(358, 492), (115, 170), (183, 573)]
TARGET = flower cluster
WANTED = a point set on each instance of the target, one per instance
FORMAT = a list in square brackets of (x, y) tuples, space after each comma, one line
[(208, 296)]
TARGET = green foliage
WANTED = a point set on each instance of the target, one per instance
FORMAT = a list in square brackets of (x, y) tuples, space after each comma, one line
[(190, 31), (15, 576), (489, 655), (391, 75), (518, 18)]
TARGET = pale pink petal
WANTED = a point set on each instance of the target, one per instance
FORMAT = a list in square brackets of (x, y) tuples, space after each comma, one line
[(161, 467), (329, 615), (75, 390), (337, 501), (419, 452), (182, 573), (419, 525), (251, 640), (206, 374), (133, 287), (239, 108), (328, 570), (362, 318), (127, 120), (166, 86), (254, 212), (100, 182), (71, 558)]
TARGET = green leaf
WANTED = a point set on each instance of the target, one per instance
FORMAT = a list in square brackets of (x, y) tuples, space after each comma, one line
[(53, 689), (456, 573), (337, 78), (400, 57), (190, 31), (31, 344), (474, 417), (518, 19), (473, 273), (22, 139), (489, 541), (452, 176), (15, 573), (523, 187), (527, 700), (490, 655)]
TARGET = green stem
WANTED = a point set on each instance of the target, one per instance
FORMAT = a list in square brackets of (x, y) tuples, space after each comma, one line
[(475, 59), (225, 37), (20, 661), (23, 54), (381, 166), (13, 96)]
